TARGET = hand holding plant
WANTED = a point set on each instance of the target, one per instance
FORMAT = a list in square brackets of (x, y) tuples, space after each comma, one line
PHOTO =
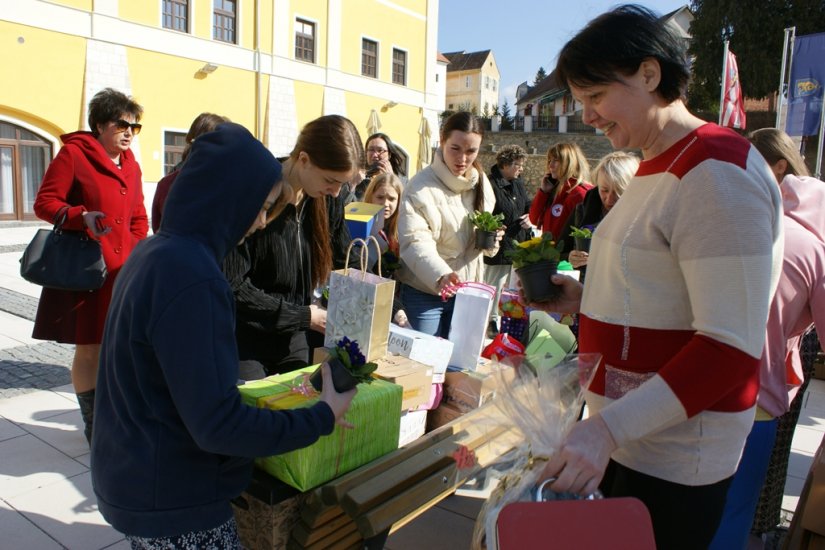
[(485, 221)]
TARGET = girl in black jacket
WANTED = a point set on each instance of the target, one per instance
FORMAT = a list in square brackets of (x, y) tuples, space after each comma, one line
[(273, 274)]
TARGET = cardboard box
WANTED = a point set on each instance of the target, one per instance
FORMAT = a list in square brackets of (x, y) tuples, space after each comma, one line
[(813, 508), (415, 378), (421, 347), (413, 426), (443, 414), (375, 412), (364, 219), (467, 390), (819, 366)]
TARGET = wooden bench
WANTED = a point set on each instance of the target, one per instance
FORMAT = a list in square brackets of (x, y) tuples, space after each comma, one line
[(361, 508)]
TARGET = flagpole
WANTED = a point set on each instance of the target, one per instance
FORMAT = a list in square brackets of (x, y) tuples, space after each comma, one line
[(792, 32), (818, 173), (724, 82)]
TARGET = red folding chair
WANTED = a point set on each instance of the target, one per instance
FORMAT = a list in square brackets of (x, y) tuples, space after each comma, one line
[(611, 523)]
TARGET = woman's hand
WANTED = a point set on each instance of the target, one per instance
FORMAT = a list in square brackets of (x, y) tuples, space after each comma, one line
[(578, 258), (524, 221), (94, 223), (447, 285), (317, 318), (579, 464), (400, 318), (338, 402), (568, 302), (500, 234), (547, 183), (384, 166)]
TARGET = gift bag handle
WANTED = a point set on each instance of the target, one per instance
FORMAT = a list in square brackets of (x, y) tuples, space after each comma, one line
[(364, 255)]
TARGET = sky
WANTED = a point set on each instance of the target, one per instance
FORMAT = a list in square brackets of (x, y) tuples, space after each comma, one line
[(523, 34)]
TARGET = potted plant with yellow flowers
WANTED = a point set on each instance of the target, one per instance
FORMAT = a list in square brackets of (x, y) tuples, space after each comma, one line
[(348, 367), (535, 261)]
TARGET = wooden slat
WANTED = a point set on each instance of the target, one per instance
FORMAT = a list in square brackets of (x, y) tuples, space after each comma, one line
[(307, 534), (342, 538), (318, 517)]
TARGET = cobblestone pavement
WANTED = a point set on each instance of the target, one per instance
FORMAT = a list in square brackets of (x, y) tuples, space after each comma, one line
[(27, 368)]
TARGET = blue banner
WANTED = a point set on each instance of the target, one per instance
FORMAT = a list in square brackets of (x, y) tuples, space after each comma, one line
[(805, 85)]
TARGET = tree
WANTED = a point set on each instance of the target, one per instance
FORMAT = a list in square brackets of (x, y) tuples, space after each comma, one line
[(486, 113), (756, 32), (506, 119), (541, 74)]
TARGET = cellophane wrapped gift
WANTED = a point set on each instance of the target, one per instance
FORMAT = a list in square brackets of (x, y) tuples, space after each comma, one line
[(542, 402), (360, 306), (375, 412)]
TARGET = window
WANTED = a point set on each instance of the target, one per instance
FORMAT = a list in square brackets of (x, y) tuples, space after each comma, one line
[(304, 40), (173, 145), (399, 67), (176, 15), (224, 16), (495, 83), (468, 81), (24, 157), (369, 58), (486, 82)]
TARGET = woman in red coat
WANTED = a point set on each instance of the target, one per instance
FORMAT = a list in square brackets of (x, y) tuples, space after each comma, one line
[(562, 188), (97, 182)]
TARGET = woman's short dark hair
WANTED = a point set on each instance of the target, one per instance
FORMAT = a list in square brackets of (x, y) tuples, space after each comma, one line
[(615, 43), (396, 161), (108, 105), (510, 154)]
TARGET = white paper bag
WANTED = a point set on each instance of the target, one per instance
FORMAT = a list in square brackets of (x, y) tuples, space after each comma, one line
[(468, 328)]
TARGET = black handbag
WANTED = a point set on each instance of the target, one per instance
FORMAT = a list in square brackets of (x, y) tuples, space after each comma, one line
[(64, 260)]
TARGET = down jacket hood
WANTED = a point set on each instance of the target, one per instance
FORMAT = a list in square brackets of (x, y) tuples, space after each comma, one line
[(802, 200), (221, 188)]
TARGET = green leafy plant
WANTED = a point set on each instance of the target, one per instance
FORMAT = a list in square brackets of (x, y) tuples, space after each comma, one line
[(348, 352), (486, 221), (584, 232), (535, 250)]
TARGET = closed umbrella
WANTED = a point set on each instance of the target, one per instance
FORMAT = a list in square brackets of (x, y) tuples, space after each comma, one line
[(423, 144), (373, 124)]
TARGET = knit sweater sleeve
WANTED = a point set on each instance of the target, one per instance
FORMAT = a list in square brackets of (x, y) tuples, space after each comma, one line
[(270, 312), (728, 253), (200, 369)]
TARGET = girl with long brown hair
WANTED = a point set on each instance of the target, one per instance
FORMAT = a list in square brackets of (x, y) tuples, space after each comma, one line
[(274, 273)]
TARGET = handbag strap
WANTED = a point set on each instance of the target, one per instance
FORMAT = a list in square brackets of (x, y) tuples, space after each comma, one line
[(364, 255), (60, 218)]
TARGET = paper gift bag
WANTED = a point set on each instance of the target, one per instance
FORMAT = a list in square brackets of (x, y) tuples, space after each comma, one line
[(360, 306), (375, 412), (469, 324)]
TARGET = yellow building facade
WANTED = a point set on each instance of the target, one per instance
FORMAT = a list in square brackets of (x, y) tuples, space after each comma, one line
[(270, 65)]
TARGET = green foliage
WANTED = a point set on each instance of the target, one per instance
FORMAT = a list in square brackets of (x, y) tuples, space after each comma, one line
[(581, 232), (348, 352), (485, 220), (535, 250), (506, 117), (541, 74)]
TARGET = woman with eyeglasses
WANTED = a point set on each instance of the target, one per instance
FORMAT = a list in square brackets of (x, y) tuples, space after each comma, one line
[(97, 184), (381, 158)]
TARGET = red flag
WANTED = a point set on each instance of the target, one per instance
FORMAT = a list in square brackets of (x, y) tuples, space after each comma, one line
[(733, 105)]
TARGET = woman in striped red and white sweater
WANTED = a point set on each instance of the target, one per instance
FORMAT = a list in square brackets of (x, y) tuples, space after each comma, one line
[(680, 277)]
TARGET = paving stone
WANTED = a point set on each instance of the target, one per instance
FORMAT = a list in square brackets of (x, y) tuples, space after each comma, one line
[(17, 303)]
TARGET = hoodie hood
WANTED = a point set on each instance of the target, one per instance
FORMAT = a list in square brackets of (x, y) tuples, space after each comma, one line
[(221, 188), (802, 200)]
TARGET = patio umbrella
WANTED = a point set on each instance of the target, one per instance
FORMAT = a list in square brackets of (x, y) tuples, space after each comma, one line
[(373, 124), (424, 144)]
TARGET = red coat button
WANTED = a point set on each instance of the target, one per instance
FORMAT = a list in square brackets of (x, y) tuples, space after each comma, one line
[(122, 190), (117, 250)]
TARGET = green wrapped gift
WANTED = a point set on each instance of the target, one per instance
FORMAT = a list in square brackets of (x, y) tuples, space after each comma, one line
[(375, 412)]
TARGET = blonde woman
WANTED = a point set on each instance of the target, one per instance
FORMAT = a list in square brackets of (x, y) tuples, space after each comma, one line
[(562, 188), (611, 176)]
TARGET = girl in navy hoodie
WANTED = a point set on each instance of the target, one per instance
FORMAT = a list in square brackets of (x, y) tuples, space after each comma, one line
[(173, 443)]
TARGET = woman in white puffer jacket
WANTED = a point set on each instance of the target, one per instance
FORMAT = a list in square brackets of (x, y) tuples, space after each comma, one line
[(435, 236)]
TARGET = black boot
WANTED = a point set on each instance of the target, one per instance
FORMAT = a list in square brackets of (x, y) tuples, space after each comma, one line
[(86, 400)]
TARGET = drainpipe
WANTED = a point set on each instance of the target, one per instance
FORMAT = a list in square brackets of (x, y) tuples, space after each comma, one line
[(258, 129)]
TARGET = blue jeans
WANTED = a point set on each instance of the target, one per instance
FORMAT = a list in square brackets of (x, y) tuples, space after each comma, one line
[(426, 312), (743, 494)]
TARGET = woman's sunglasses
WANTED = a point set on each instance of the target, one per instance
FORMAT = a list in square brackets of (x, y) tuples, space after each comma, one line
[(123, 125)]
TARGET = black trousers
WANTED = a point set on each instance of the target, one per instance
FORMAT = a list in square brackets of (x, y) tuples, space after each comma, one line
[(684, 517)]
